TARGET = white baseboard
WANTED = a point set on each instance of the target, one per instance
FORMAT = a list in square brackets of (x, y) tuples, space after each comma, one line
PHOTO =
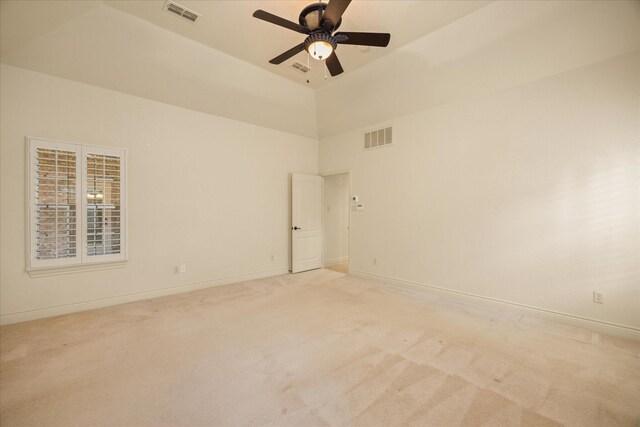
[(334, 261), (607, 328), (24, 316)]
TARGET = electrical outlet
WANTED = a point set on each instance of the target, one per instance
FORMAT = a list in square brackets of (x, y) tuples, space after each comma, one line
[(598, 297), (183, 268)]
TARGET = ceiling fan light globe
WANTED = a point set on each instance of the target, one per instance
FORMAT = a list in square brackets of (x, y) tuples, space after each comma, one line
[(320, 50)]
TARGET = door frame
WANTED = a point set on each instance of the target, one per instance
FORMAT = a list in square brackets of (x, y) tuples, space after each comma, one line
[(324, 175)]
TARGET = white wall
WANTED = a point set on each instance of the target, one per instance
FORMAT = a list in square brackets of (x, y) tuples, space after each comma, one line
[(520, 187), (336, 218), (529, 195), (205, 191)]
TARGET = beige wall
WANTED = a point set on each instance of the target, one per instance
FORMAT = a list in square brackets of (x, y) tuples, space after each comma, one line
[(528, 195), (514, 175), (205, 191), (336, 218)]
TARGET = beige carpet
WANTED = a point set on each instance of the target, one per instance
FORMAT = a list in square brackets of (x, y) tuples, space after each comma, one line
[(317, 348)]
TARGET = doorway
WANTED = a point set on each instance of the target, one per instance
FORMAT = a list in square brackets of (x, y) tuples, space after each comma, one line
[(335, 216)]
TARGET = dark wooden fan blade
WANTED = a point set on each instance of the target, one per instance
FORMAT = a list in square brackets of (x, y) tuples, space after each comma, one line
[(334, 10), (365, 39), (269, 17), (288, 54), (333, 64)]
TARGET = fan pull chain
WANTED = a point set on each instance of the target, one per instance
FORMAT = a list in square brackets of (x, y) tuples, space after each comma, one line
[(325, 70), (308, 69)]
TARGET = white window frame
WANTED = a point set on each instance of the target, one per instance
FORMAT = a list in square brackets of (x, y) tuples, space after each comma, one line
[(81, 258)]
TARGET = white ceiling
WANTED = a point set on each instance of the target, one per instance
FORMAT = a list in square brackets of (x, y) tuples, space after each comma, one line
[(228, 26)]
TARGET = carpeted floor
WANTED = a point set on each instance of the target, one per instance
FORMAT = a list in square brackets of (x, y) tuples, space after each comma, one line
[(316, 348)]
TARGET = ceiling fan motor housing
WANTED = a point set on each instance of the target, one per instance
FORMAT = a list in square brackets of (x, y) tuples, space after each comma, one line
[(311, 17)]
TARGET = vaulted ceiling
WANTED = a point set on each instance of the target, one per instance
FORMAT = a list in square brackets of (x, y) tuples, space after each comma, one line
[(440, 52), (228, 26)]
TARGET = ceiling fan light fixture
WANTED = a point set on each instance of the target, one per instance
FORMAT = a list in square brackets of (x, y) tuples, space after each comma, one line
[(320, 50), (320, 45)]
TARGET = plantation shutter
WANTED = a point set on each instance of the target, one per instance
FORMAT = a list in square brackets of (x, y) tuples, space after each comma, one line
[(104, 208), (54, 204), (76, 204)]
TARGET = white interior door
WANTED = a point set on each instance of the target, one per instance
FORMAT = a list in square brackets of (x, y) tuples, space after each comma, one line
[(306, 222)]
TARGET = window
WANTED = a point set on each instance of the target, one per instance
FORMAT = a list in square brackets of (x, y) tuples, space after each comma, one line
[(76, 204)]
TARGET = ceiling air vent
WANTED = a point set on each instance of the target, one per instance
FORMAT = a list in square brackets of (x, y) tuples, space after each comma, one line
[(181, 11), (378, 138), (300, 67)]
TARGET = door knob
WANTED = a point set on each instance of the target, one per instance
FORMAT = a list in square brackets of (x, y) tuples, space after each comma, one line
[(297, 228)]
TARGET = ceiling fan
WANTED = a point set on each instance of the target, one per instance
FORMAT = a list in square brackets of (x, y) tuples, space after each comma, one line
[(318, 22)]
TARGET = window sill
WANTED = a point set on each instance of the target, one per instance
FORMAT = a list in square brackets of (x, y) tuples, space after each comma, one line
[(71, 269)]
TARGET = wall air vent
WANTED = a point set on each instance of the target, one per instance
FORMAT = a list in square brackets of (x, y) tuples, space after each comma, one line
[(181, 11), (300, 67), (378, 138)]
